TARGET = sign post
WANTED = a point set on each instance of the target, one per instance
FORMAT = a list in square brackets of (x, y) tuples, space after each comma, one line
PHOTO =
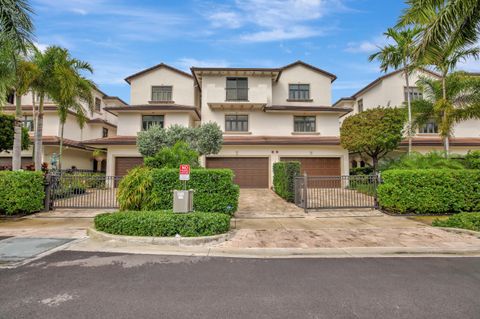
[(185, 174)]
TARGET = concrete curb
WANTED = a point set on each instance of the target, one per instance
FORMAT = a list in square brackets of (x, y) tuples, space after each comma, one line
[(162, 241)]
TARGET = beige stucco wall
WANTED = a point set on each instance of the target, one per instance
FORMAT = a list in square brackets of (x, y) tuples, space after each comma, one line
[(141, 86), (129, 124), (214, 89), (81, 159), (320, 86), (273, 123)]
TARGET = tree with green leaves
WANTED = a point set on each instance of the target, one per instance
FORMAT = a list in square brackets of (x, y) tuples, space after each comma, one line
[(7, 129), (443, 21), (17, 73), (449, 101), (173, 157), (400, 55), (73, 93), (373, 133), (206, 139), (15, 23)]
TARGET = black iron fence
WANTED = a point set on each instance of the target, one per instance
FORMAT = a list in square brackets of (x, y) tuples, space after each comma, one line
[(81, 191), (320, 192)]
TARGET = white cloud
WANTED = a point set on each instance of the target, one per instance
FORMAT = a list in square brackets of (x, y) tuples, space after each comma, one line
[(274, 20), (186, 63), (367, 46), (41, 46)]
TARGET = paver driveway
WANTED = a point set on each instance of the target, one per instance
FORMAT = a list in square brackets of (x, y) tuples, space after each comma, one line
[(256, 203)]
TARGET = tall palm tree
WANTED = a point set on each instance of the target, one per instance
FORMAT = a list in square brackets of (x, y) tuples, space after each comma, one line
[(443, 21), (444, 58), (400, 55), (74, 91), (16, 23), (448, 101), (46, 84), (17, 75)]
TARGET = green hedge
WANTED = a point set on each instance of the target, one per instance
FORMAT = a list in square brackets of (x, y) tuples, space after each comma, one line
[(430, 191), (152, 189), (284, 179), (21, 192), (162, 223), (469, 221)]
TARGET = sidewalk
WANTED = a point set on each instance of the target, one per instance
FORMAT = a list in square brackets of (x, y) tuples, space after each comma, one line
[(314, 235)]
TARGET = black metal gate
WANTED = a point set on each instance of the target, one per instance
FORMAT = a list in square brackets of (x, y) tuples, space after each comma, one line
[(320, 192), (81, 191)]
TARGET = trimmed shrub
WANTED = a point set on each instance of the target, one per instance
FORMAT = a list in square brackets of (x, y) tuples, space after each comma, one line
[(430, 191), (284, 179), (152, 189), (162, 223), (173, 157), (367, 170), (21, 192), (472, 160), (432, 160), (469, 221)]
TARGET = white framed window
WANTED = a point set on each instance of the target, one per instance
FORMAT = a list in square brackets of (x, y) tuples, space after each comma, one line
[(430, 127), (304, 123), (98, 104), (151, 120), (236, 123), (360, 105), (299, 92), (415, 94), (162, 93), (237, 89), (27, 122)]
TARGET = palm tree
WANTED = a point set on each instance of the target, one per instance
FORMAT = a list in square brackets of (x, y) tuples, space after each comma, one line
[(17, 75), (399, 55), (443, 21), (73, 90), (46, 84), (444, 58), (448, 101), (15, 23)]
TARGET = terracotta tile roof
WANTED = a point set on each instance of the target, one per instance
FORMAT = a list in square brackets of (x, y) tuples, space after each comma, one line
[(154, 107), (281, 140), (307, 108), (109, 97), (343, 99), (437, 141), (114, 140), (55, 140), (100, 121), (158, 66)]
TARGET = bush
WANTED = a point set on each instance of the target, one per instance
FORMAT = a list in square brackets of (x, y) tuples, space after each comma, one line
[(432, 160), (284, 179), (152, 189), (21, 192), (172, 157), (469, 221), (162, 223), (472, 160), (367, 170), (430, 191)]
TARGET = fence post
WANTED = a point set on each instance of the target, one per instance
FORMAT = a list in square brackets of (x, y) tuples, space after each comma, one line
[(48, 186), (305, 191), (378, 180)]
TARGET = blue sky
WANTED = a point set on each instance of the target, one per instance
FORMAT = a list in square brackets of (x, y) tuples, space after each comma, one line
[(121, 37)]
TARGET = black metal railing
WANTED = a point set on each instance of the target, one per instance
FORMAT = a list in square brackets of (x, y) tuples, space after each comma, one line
[(82, 191), (319, 192)]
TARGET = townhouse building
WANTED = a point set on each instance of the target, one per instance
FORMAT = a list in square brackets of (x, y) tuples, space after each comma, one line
[(75, 153), (266, 115), (389, 90)]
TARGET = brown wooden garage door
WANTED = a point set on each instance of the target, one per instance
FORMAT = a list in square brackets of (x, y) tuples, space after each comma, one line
[(250, 172), (317, 166), (124, 164)]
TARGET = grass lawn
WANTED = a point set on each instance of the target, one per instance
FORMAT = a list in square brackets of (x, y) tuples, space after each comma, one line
[(470, 221), (428, 219)]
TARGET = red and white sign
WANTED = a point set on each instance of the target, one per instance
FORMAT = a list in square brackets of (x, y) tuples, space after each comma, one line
[(184, 172)]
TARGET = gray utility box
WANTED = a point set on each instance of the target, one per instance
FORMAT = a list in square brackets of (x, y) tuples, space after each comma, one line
[(183, 201)]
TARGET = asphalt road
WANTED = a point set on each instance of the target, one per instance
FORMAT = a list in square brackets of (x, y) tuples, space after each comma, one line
[(98, 285)]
